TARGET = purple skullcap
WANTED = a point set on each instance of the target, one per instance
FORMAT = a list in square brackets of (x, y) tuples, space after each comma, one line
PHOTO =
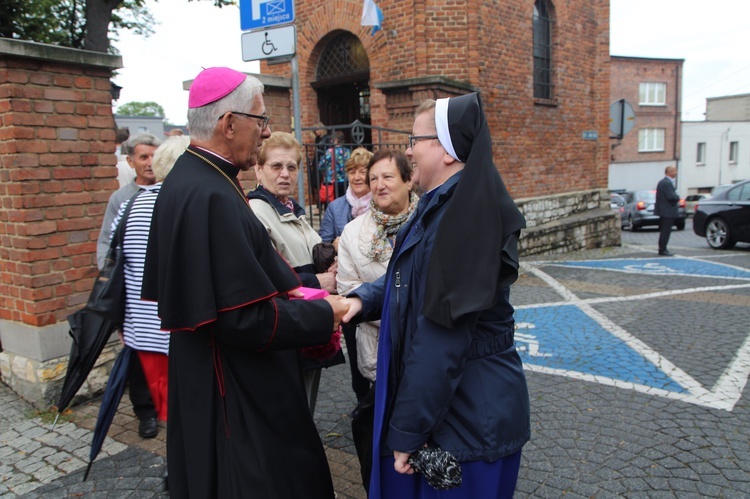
[(212, 84)]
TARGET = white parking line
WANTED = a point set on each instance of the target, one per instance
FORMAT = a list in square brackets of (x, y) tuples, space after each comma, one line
[(724, 395)]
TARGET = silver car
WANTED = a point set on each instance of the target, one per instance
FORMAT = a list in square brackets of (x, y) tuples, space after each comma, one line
[(691, 201), (639, 211)]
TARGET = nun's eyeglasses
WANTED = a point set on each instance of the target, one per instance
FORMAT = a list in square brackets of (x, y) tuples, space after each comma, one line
[(413, 139), (263, 124)]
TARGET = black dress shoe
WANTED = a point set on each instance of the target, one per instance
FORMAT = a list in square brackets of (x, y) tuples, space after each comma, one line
[(148, 428), (666, 253)]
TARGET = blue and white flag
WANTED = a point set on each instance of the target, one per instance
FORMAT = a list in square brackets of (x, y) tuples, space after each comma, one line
[(371, 16)]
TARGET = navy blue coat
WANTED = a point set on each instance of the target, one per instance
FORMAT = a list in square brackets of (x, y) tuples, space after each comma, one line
[(337, 215), (461, 388)]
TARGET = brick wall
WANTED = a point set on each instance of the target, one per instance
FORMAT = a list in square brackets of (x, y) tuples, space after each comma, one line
[(57, 171), (487, 46), (627, 73)]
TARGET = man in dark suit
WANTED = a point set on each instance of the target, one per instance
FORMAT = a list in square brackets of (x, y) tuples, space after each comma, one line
[(666, 207)]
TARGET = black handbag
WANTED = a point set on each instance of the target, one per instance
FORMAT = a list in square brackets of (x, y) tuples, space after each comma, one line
[(107, 297), (324, 254)]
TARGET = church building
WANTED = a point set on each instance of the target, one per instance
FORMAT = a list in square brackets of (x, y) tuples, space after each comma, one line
[(541, 67)]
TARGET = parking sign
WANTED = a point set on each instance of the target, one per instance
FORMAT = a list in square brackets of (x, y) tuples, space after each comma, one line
[(264, 13)]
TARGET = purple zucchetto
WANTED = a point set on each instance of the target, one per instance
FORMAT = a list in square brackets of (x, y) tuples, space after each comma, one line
[(212, 84)]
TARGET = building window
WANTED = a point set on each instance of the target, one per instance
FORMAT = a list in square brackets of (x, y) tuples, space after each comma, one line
[(734, 148), (343, 56), (652, 94), (700, 154), (543, 14), (651, 140)]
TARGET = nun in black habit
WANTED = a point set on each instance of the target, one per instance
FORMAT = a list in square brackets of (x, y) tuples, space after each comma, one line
[(238, 422), (454, 379)]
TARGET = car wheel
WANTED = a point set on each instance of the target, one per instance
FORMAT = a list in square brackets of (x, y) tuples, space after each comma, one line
[(718, 235), (680, 224), (633, 226)]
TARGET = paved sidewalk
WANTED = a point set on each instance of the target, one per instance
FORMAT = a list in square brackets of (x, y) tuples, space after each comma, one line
[(637, 369)]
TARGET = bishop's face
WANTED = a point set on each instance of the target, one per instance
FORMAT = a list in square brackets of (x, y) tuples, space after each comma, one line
[(250, 134)]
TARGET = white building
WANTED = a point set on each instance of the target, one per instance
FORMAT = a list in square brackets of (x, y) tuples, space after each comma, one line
[(713, 153), (142, 124)]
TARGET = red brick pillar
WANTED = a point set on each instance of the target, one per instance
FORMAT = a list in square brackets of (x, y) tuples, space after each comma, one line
[(57, 171)]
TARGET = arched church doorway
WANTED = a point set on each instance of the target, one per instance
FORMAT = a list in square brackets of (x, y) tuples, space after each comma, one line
[(343, 83)]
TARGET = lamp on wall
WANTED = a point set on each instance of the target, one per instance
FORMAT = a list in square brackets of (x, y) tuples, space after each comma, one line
[(114, 90)]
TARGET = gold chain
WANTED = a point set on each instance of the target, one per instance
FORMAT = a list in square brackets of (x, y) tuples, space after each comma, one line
[(224, 174)]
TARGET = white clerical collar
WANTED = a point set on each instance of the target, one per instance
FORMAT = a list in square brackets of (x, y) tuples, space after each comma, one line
[(215, 154)]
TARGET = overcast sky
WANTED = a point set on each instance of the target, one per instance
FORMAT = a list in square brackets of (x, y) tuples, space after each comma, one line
[(713, 37)]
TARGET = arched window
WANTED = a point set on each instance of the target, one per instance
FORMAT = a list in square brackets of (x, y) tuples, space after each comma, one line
[(344, 56), (543, 18)]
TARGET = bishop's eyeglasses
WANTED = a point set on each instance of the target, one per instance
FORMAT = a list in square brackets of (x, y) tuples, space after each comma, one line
[(263, 123)]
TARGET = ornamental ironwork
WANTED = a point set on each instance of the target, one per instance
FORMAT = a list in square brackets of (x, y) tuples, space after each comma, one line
[(343, 56)]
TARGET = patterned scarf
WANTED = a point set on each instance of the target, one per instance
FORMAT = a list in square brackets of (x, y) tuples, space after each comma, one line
[(359, 205), (387, 227)]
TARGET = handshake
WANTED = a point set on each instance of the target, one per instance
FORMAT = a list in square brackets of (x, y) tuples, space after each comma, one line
[(341, 307)]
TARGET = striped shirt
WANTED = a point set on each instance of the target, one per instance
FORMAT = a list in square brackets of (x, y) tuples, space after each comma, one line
[(142, 324)]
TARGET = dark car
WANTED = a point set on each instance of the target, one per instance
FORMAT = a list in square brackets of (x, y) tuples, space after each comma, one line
[(724, 219), (639, 211)]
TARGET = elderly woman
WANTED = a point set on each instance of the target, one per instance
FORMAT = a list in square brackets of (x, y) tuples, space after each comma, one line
[(354, 203), (367, 242), (364, 251), (340, 212), (291, 234), (142, 326)]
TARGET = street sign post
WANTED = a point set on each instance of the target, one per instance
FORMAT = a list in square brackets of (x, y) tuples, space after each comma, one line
[(269, 43), (621, 118), (256, 14)]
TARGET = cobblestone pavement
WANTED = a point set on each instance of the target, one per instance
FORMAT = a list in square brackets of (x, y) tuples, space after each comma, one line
[(637, 368)]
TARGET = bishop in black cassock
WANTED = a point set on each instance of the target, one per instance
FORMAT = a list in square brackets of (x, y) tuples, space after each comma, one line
[(238, 423)]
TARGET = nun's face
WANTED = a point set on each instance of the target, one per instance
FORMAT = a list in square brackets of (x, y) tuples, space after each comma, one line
[(426, 155)]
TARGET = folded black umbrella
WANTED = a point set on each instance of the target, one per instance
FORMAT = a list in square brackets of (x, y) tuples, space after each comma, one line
[(439, 467), (90, 332), (118, 379)]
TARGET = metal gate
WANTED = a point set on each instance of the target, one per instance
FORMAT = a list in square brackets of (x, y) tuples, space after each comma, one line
[(355, 134)]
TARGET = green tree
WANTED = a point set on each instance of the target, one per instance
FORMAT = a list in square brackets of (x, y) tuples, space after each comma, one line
[(140, 109), (82, 24)]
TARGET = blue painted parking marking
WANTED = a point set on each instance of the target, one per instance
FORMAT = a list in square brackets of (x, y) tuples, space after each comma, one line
[(572, 338), (663, 266), (565, 338)]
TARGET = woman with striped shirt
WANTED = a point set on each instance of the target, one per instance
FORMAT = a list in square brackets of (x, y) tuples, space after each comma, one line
[(142, 326)]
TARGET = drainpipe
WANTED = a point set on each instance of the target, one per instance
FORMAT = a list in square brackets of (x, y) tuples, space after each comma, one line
[(676, 115)]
